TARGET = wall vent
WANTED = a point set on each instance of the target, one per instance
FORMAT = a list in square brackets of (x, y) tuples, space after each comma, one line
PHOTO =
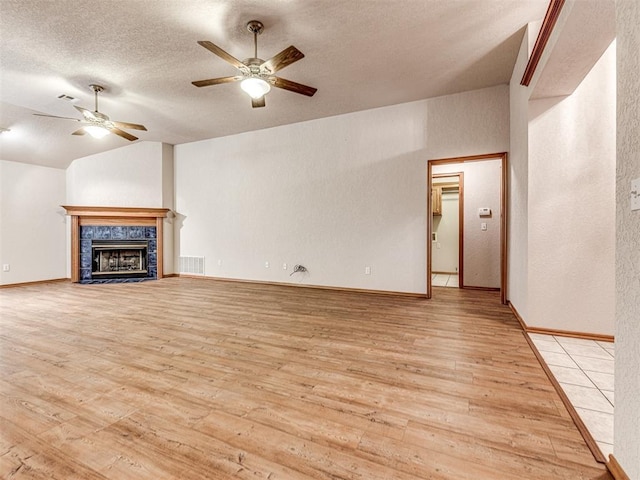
[(192, 265)]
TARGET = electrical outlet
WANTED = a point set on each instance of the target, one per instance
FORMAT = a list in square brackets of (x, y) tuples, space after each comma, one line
[(483, 227), (284, 266), (266, 264), (635, 194), (6, 267), (367, 270)]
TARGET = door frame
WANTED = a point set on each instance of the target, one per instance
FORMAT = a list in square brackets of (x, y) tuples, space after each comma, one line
[(460, 176), (503, 157)]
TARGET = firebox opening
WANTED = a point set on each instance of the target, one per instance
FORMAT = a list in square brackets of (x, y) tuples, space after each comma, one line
[(117, 258)]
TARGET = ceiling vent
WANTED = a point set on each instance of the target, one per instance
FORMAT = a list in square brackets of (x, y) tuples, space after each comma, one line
[(68, 98)]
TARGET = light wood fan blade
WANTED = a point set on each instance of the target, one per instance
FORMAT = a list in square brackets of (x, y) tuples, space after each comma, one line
[(294, 86), (217, 81), (122, 133), (258, 102), (213, 48), (133, 126), (55, 116), (284, 58), (80, 131)]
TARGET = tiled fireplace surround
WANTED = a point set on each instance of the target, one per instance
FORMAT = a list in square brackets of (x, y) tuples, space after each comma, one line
[(89, 233), (115, 223)]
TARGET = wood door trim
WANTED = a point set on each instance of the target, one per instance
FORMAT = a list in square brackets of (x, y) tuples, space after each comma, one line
[(549, 22), (504, 206)]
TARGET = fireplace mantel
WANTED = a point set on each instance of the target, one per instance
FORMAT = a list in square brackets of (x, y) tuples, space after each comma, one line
[(84, 215)]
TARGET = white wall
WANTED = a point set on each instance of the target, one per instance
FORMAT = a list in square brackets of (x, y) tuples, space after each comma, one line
[(481, 254), (469, 123), (561, 233), (136, 175), (129, 176), (571, 206), (518, 225), (336, 194), (32, 223), (627, 364), (445, 251)]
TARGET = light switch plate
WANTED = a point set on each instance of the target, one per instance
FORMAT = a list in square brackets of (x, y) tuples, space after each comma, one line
[(635, 194)]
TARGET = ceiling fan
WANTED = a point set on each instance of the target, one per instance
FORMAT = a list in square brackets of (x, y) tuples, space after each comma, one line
[(98, 124), (257, 75)]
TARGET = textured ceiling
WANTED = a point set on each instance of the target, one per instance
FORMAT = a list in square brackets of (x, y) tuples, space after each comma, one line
[(359, 54)]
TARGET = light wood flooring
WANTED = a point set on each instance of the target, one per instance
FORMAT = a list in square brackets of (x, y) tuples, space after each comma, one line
[(200, 379)]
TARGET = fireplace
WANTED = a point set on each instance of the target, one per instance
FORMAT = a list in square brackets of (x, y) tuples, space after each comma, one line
[(116, 244), (118, 259)]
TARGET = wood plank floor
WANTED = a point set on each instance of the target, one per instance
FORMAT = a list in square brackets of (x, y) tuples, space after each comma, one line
[(203, 379)]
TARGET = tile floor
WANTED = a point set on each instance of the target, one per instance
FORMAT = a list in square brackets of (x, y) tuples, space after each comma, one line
[(584, 370), (444, 280)]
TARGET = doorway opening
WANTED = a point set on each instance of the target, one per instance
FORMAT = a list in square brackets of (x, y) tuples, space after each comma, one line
[(447, 211), (482, 261)]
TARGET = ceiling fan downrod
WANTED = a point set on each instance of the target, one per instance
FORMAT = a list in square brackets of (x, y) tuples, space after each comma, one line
[(256, 27), (96, 89)]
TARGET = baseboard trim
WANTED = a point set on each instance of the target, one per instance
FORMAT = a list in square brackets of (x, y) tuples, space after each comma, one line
[(301, 285), (589, 440), (560, 333), (484, 289), (565, 333), (616, 470), (35, 282), (518, 317)]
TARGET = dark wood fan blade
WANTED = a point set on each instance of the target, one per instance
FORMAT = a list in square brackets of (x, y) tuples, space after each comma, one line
[(284, 58), (217, 81), (55, 116), (213, 48), (258, 102), (80, 131), (294, 86), (122, 133), (133, 126)]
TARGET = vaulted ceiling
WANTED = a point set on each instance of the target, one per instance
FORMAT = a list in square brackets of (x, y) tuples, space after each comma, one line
[(359, 54)]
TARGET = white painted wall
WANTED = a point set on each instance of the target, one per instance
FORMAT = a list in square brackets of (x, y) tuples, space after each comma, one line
[(129, 176), (136, 175), (627, 364), (168, 201), (32, 223), (572, 206), (518, 224), (481, 255), (446, 249), (469, 123), (336, 194)]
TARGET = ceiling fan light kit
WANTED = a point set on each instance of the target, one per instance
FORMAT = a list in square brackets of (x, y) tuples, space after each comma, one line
[(96, 132), (255, 87), (256, 76), (99, 124)]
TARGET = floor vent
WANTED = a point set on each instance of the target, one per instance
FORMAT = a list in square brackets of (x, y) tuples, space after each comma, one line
[(192, 265)]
